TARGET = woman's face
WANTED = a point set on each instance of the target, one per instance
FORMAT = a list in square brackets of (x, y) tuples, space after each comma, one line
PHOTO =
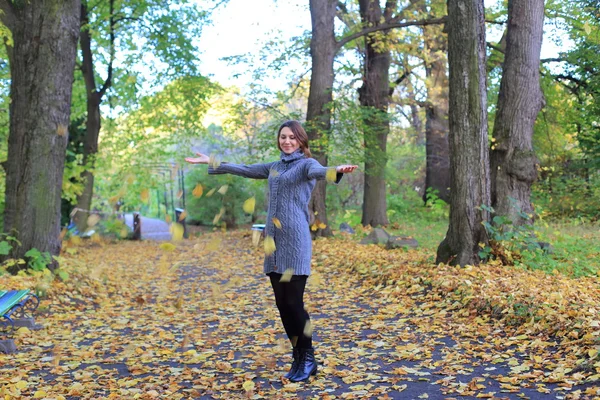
[(287, 141)]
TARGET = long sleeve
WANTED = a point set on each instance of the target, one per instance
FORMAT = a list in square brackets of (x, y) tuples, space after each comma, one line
[(253, 171), (314, 170)]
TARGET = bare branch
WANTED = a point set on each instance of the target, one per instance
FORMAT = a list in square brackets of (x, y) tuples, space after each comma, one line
[(491, 21), (494, 47), (383, 27), (548, 60)]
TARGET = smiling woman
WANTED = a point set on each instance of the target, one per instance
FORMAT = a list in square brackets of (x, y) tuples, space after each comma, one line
[(288, 243)]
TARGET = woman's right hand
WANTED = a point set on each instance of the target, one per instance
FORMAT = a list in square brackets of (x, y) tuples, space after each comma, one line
[(201, 159)]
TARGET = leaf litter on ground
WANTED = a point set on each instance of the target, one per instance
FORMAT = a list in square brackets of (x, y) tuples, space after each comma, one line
[(138, 320)]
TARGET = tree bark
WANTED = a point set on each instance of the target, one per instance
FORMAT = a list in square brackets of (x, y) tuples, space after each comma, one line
[(43, 60), (374, 97), (469, 163), (318, 117), (93, 122), (513, 161), (437, 175)]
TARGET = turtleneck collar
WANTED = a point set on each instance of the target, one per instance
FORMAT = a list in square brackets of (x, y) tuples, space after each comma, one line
[(292, 156)]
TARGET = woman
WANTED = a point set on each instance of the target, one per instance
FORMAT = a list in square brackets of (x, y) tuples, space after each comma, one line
[(291, 181)]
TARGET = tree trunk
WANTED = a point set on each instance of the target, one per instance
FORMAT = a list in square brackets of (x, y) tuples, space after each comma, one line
[(318, 117), (437, 176), (93, 122), (374, 96), (513, 161), (43, 59), (469, 163)]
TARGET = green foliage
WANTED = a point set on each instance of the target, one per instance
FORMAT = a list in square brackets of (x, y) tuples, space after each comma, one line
[(37, 260), (508, 241), (202, 210)]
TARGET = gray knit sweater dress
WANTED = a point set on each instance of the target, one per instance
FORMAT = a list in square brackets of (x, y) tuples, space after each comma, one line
[(291, 181)]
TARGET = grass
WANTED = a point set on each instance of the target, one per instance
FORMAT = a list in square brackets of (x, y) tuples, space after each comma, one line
[(576, 244)]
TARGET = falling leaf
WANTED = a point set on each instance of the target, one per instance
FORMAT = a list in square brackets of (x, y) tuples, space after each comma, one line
[(331, 175), (182, 215), (223, 189), (93, 219), (256, 237), (214, 161), (273, 173), (145, 195), (61, 130), (287, 275), (197, 192), (123, 233), (179, 194), (62, 235), (167, 218), (322, 226), (276, 222), (308, 328), (269, 244), (249, 205), (210, 192), (166, 246), (177, 231), (186, 341)]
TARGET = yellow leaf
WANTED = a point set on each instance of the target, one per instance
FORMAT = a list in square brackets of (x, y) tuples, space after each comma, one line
[(592, 353), (61, 130), (287, 275), (182, 215), (93, 219), (314, 227), (177, 231), (249, 205), (276, 222), (223, 189), (167, 218), (322, 226), (210, 192), (124, 232), (39, 394), (269, 245), (21, 385), (166, 246), (248, 386), (308, 328), (218, 216), (256, 237), (214, 161), (145, 195), (197, 192), (331, 175)]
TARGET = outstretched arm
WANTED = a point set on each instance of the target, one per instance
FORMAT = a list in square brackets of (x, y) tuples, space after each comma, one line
[(254, 171), (316, 171)]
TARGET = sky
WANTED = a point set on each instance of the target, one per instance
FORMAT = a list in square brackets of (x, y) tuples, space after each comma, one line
[(242, 26)]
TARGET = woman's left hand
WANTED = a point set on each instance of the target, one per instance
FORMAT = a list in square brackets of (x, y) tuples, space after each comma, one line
[(346, 169)]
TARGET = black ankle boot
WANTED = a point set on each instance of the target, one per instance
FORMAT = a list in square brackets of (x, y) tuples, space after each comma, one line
[(307, 366), (295, 362)]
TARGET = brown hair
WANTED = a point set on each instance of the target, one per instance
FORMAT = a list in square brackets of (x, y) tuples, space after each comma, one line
[(299, 133)]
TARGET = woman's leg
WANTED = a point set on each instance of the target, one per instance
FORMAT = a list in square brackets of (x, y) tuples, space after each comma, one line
[(294, 296), (282, 305)]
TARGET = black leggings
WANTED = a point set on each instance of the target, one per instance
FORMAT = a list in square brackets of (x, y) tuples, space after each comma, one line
[(289, 300)]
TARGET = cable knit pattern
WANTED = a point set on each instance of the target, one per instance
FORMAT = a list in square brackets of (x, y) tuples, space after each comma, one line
[(291, 182)]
